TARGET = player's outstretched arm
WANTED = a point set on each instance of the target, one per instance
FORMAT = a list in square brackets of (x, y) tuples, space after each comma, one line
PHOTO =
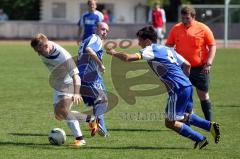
[(123, 56)]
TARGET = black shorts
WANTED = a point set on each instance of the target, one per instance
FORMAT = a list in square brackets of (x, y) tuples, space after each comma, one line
[(198, 79)]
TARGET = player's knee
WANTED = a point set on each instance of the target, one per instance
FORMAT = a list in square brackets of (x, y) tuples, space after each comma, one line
[(203, 95), (61, 114), (60, 118)]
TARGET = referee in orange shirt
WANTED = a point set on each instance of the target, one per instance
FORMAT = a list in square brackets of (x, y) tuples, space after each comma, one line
[(196, 43)]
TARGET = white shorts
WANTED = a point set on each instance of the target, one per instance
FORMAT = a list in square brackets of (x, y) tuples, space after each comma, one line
[(57, 94), (159, 33)]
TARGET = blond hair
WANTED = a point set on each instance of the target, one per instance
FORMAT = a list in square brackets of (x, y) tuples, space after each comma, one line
[(39, 40)]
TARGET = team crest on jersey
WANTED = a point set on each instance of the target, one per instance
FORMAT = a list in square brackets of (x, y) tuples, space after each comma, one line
[(90, 22)]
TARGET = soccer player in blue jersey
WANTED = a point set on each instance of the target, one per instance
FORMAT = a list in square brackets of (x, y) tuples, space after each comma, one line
[(91, 67), (66, 85), (172, 69), (88, 21)]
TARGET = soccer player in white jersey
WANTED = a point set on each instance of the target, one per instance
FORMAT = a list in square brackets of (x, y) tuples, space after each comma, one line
[(91, 67), (172, 69), (66, 84)]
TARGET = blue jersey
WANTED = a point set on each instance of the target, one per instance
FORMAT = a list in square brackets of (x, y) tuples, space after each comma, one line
[(166, 63), (88, 68), (89, 22), (92, 87)]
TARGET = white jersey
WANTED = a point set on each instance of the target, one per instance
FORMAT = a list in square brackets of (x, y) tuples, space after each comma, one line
[(60, 64)]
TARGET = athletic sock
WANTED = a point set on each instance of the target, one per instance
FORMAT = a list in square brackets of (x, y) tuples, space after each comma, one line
[(73, 124), (79, 138), (188, 132), (90, 118), (199, 122), (102, 122), (206, 108)]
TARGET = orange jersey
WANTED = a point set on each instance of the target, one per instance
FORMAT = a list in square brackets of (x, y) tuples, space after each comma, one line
[(192, 42)]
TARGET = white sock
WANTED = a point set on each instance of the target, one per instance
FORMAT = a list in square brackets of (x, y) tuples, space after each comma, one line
[(73, 124)]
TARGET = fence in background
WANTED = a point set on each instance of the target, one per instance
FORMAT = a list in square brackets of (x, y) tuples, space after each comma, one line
[(63, 31)]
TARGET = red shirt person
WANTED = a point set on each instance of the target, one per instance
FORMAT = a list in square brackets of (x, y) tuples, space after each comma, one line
[(158, 20), (195, 42)]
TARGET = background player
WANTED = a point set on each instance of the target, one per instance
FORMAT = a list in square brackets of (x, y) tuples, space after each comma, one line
[(158, 19), (88, 21)]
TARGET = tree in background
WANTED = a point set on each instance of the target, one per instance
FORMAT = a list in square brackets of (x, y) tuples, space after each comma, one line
[(21, 9)]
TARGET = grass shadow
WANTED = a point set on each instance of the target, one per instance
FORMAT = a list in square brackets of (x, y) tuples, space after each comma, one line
[(136, 148), (48, 146), (27, 134), (135, 130), (228, 106), (31, 134)]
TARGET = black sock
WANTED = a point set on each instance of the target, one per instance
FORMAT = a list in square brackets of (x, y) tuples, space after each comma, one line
[(206, 108), (88, 118), (79, 138)]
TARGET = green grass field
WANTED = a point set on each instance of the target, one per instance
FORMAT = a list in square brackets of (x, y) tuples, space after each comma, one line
[(26, 115)]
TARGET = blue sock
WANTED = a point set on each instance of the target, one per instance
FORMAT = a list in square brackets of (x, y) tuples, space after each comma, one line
[(188, 132), (199, 122), (102, 122)]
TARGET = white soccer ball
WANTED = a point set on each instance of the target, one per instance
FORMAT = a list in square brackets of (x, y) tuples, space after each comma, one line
[(57, 136)]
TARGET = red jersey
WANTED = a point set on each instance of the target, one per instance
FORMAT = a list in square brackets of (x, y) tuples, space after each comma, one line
[(157, 18)]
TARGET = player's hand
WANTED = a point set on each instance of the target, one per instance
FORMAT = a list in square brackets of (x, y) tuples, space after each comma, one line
[(110, 51), (102, 68), (76, 98), (206, 69)]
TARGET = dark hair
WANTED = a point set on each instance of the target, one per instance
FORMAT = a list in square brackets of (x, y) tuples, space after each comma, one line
[(147, 32), (188, 10), (89, 1)]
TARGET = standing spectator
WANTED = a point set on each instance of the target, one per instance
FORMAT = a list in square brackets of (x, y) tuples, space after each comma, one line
[(3, 15), (88, 21), (105, 16), (196, 43), (158, 19)]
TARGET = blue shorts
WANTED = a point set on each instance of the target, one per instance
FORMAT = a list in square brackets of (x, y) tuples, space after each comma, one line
[(94, 94), (179, 102)]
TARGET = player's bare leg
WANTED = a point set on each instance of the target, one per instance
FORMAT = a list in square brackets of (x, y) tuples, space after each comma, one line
[(62, 112)]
